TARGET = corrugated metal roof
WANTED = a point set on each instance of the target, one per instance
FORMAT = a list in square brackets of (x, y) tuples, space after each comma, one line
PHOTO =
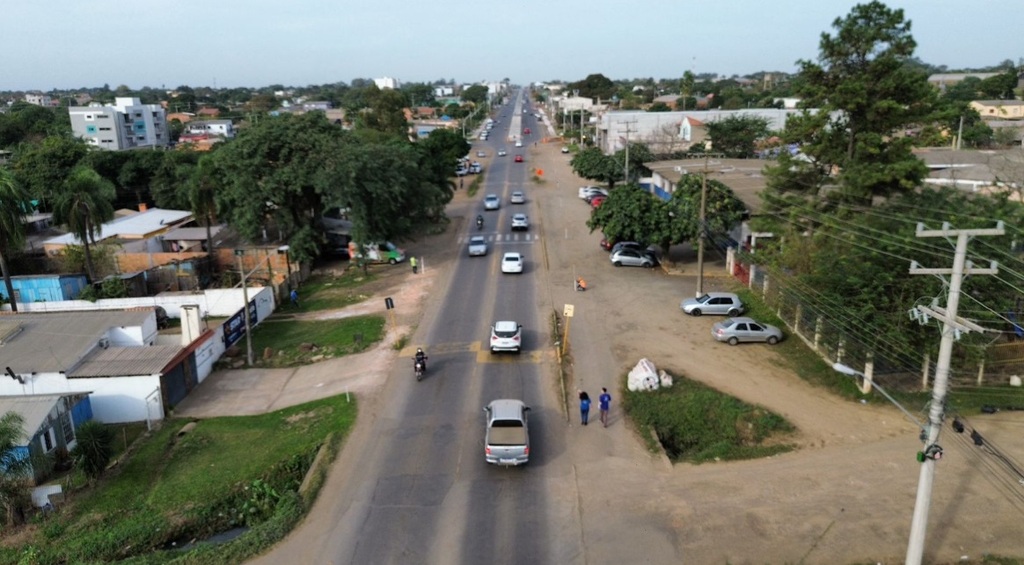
[(57, 341), (136, 225), (744, 176), (125, 361), (32, 408)]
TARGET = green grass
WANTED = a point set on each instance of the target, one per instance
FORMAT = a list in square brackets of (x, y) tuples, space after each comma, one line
[(474, 186), (330, 293), (695, 423), (226, 472), (333, 338)]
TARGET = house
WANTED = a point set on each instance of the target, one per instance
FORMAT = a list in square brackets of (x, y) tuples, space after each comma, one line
[(50, 423), (444, 91), (667, 99), (209, 112), (45, 288), (138, 226), (39, 100), (426, 112), (183, 117), (999, 109), (128, 124), (975, 171), (614, 128), (387, 82), (223, 129)]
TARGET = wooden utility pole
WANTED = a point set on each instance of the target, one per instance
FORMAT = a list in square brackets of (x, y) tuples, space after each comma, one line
[(703, 228)]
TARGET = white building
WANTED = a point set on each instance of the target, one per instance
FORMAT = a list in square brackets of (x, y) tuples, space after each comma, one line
[(443, 91), (615, 128), (220, 128), (128, 124), (39, 100), (387, 82)]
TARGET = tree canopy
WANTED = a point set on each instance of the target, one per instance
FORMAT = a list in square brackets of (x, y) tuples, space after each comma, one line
[(594, 86), (736, 136), (864, 94), (476, 94)]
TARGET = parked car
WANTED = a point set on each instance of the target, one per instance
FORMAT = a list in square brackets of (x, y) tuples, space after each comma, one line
[(565, 149), (506, 336), (507, 434), (481, 154), (520, 222), (629, 245), (517, 197), (735, 330), (606, 244), (512, 263), (502, 153), (519, 158), (386, 252), (477, 246), (722, 303), (633, 258), (588, 191), (597, 201), (492, 202), (476, 168), (461, 171)]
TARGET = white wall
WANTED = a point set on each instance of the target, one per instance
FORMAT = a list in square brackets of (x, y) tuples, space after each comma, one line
[(114, 399), (208, 353), (214, 302)]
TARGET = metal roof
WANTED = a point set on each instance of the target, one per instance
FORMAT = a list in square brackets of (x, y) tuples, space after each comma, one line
[(52, 342), (192, 234), (745, 177), (134, 226), (32, 408), (125, 361)]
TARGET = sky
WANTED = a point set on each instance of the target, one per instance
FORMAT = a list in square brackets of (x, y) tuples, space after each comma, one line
[(68, 44)]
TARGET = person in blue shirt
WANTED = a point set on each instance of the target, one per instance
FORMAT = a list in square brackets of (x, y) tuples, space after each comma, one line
[(584, 407), (604, 402)]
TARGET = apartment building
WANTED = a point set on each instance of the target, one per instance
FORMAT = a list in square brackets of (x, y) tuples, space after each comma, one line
[(128, 124)]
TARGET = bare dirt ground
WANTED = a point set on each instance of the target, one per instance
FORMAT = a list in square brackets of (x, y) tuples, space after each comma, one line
[(844, 496)]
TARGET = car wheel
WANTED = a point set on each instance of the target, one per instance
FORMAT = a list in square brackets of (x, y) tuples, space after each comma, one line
[(733, 340), (772, 340), (617, 263), (733, 313), (392, 262), (493, 351), (695, 312), (646, 265)]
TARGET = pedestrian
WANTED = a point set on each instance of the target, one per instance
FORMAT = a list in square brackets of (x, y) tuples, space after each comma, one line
[(460, 183), (412, 261), (604, 402), (294, 295), (584, 407)]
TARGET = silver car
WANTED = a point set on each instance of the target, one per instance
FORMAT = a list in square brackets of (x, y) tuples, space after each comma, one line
[(517, 197), (477, 246), (492, 202), (735, 330), (520, 222), (633, 258), (722, 303)]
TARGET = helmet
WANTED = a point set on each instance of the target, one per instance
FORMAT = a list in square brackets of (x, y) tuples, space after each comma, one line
[(419, 350)]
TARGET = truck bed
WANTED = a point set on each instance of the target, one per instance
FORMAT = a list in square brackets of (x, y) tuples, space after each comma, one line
[(506, 436)]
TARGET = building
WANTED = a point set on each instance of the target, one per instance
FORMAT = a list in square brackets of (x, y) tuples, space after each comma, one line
[(50, 425), (39, 100), (138, 226), (999, 109), (387, 82), (128, 124), (615, 128), (443, 91), (45, 288), (216, 128)]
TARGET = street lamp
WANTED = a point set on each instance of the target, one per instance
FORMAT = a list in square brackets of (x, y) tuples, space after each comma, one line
[(283, 250), (851, 372)]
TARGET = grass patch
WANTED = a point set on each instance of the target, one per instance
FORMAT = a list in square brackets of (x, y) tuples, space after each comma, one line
[(537, 179), (695, 423), (474, 186), (227, 472), (806, 363), (332, 338), (330, 292)]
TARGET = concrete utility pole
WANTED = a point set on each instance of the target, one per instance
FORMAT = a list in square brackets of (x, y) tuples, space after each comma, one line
[(625, 179), (703, 229), (952, 327), (248, 323)]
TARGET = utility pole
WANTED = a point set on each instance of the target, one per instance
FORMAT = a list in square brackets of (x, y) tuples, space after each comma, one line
[(625, 179), (952, 327), (245, 296), (703, 229)]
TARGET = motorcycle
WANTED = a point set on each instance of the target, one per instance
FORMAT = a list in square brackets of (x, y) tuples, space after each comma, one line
[(479, 223), (419, 367)]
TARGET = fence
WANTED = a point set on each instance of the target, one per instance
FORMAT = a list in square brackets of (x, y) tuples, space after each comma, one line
[(832, 339)]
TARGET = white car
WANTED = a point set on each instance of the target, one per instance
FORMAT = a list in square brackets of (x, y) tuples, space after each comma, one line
[(512, 263), (492, 202), (588, 191), (506, 336), (519, 143), (565, 149), (520, 222), (517, 197), (477, 246), (502, 153)]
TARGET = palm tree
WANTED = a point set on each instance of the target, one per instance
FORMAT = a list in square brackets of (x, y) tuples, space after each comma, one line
[(83, 203), (14, 202), (15, 466), (201, 186)]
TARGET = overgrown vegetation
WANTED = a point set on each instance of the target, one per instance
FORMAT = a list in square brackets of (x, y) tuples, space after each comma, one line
[(294, 342), (331, 292), (227, 472), (696, 424)]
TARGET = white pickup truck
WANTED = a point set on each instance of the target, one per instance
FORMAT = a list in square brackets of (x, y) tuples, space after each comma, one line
[(507, 441)]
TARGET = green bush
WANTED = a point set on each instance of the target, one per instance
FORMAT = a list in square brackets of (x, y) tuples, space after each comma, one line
[(696, 423)]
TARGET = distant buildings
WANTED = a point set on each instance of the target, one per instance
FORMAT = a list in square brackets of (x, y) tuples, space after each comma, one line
[(387, 82), (39, 100), (128, 124)]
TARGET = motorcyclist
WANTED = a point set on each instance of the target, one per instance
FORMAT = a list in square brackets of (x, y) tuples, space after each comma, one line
[(581, 284), (421, 358), (479, 221)]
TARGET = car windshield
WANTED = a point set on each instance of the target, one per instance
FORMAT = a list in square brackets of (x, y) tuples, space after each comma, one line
[(476, 239)]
